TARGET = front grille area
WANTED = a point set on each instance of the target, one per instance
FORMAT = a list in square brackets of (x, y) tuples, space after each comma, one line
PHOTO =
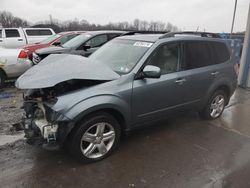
[(36, 58)]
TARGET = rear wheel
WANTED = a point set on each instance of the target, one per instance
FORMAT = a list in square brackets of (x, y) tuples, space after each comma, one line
[(215, 105), (95, 138), (2, 79)]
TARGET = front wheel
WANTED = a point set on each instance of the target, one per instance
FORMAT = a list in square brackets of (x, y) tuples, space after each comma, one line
[(215, 105), (95, 138)]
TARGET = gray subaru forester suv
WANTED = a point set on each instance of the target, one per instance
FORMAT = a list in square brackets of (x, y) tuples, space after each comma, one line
[(86, 103)]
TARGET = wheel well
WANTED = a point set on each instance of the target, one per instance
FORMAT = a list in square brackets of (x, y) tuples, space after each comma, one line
[(115, 113), (226, 89)]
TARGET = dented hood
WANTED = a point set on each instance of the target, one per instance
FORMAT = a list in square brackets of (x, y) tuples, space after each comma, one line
[(58, 68)]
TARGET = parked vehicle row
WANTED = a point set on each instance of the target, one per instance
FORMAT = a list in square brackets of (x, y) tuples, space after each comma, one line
[(54, 40), (14, 62), (86, 103), (84, 44)]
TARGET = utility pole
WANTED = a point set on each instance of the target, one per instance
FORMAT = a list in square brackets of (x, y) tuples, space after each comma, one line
[(244, 73), (51, 19), (232, 27)]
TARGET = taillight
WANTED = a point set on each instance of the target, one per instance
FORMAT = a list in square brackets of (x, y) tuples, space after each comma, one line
[(23, 54)]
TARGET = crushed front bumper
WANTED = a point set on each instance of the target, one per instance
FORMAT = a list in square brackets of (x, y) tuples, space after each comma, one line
[(50, 136)]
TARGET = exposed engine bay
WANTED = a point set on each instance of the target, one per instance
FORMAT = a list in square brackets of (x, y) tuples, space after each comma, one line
[(40, 122)]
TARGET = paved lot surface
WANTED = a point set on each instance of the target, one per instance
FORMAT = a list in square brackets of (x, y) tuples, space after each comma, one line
[(184, 151)]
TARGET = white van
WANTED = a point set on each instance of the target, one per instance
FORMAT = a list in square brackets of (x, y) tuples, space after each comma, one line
[(18, 37)]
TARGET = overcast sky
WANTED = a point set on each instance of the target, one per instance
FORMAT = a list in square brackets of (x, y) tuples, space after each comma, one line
[(211, 15)]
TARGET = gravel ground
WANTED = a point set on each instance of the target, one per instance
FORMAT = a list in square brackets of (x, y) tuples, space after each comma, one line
[(10, 109)]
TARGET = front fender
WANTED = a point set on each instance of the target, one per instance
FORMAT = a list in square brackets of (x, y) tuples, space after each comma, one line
[(97, 103)]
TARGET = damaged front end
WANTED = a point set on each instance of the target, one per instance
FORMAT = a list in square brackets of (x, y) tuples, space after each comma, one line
[(41, 124), (48, 84)]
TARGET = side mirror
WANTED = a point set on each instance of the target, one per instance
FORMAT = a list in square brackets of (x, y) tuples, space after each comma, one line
[(86, 47), (151, 71), (57, 43)]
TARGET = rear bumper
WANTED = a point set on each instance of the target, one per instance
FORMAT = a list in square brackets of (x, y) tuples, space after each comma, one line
[(17, 69)]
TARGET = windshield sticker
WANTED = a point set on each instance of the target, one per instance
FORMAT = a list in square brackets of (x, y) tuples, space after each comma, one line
[(143, 44)]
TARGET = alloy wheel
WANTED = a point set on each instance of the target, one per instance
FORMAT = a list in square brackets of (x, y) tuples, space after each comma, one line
[(97, 140), (217, 106)]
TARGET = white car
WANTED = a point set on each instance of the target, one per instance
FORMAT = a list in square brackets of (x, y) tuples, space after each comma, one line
[(18, 37), (13, 63)]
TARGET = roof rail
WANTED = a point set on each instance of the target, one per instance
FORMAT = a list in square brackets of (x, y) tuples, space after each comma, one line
[(143, 32), (201, 34)]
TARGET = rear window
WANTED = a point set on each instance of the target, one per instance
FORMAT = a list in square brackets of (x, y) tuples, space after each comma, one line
[(113, 35), (65, 39), (220, 52), (196, 54), (38, 32), (49, 39), (77, 41), (12, 33), (97, 41)]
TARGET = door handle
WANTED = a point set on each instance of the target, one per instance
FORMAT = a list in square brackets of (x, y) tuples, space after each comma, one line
[(214, 73), (180, 81), (20, 39)]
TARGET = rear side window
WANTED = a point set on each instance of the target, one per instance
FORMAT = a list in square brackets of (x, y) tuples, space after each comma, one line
[(196, 54), (0, 33), (38, 32), (220, 52), (12, 33), (97, 41)]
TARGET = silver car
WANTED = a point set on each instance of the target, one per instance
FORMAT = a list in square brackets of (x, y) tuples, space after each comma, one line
[(86, 103), (13, 63)]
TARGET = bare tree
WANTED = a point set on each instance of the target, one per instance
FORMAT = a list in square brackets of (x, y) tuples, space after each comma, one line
[(8, 20), (136, 24), (144, 25)]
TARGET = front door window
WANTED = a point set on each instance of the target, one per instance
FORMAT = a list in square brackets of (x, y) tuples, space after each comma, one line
[(167, 58)]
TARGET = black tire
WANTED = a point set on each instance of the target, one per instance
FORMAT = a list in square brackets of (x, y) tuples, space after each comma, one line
[(75, 142), (206, 112), (2, 79)]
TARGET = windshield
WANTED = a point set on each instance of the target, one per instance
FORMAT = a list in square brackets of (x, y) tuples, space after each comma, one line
[(50, 39), (121, 55), (76, 41)]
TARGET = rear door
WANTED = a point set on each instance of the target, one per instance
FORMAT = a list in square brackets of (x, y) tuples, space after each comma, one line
[(222, 60), (197, 69), (13, 38)]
